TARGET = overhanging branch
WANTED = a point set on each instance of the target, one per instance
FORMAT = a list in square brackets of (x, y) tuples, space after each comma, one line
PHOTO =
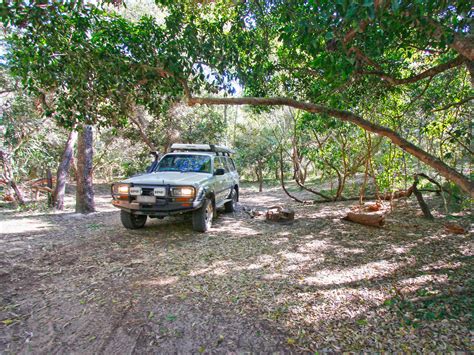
[(448, 172), (414, 78)]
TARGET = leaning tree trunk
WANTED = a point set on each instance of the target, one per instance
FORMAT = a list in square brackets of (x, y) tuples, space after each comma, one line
[(63, 171), (449, 173), (5, 159), (85, 190)]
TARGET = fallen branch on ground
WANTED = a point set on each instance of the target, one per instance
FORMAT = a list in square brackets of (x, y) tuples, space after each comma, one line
[(367, 219), (280, 214)]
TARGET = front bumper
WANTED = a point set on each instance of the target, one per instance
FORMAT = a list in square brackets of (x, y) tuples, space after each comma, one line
[(162, 207)]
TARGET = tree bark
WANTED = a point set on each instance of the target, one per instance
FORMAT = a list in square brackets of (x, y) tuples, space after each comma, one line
[(325, 197), (85, 188), (63, 171), (449, 173), (421, 201), (415, 78), (5, 159), (259, 173), (138, 120), (282, 179)]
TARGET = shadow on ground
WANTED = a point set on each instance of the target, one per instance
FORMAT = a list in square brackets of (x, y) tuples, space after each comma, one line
[(74, 283)]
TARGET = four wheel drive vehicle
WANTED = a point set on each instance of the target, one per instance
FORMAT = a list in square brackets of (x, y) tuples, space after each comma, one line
[(196, 178)]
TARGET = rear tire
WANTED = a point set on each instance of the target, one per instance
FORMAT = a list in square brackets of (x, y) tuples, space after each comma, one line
[(132, 221), (202, 218), (232, 205)]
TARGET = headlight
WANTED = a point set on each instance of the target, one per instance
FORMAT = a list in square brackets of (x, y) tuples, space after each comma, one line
[(135, 191), (121, 189), (185, 191)]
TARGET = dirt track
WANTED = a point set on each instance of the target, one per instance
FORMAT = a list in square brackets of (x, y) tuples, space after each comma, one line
[(73, 283)]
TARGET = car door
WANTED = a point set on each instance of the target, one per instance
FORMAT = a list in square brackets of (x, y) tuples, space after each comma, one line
[(220, 184), (233, 174)]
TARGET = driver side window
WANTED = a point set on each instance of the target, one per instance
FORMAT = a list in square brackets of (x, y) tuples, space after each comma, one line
[(219, 163)]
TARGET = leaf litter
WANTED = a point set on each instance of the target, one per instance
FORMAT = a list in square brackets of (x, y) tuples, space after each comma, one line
[(321, 284)]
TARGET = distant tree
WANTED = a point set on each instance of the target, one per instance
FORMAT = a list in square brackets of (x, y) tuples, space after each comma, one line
[(255, 147)]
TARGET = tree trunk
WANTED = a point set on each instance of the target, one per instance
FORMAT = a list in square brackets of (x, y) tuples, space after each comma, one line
[(449, 173), (421, 201), (259, 173), (5, 159), (303, 187), (63, 171), (49, 183), (85, 188), (282, 179), (19, 196), (340, 185)]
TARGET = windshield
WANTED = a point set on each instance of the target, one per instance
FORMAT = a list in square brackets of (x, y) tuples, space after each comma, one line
[(185, 163)]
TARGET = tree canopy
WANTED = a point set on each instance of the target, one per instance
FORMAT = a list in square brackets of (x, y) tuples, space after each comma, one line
[(376, 64)]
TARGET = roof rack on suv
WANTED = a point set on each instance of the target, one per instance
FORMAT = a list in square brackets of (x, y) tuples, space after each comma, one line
[(201, 148)]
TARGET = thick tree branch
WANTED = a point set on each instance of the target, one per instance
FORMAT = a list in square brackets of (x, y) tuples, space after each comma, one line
[(353, 32), (464, 45), (135, 118), (454, 104), (448, 172), (414, 78)]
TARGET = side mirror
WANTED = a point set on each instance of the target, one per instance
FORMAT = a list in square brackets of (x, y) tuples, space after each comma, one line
[(219, 171)]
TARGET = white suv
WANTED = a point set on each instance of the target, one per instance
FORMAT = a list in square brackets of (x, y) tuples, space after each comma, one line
[(196, 178)]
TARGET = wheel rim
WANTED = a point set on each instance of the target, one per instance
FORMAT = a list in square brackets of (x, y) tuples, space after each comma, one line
[(209, 215)]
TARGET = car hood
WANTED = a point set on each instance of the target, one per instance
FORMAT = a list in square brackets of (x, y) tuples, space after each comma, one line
[(169, 178)]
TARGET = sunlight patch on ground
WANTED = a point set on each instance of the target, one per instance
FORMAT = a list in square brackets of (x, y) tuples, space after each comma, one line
[(280, 241), (26, 225), (401, 249), (273, 276), (260, 199), (295, 257), (317, 308), (326, 211), (414, 283), (337, 277), (439, 265), (219, 268), (315, 246), (160, 281), (235, 227)]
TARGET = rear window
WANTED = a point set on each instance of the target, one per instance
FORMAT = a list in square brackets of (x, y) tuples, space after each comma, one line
[(231, 164)]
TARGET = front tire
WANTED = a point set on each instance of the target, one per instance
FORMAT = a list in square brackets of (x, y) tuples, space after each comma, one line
[(231, 206), (202, 218), (132, 221)]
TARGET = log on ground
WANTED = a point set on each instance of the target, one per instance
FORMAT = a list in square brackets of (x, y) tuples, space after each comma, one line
[(374, 220)]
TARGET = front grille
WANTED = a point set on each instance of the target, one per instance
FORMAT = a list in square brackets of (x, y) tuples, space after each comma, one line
[(147, 191)]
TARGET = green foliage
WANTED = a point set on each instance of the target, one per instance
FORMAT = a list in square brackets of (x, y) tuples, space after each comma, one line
[(432, 306), (90, 64), (34, 144), (256, 150)]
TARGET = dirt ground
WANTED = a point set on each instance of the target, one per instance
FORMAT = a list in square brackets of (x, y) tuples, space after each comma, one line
[(84, 284)]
